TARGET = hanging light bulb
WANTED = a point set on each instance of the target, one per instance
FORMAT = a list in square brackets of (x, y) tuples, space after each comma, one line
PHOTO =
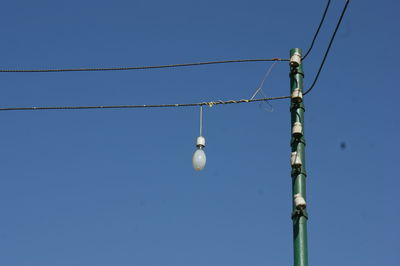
[(199, 157)]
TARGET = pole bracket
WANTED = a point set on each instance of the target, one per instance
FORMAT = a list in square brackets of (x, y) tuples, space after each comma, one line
[(296, 171), (295, 141), (296, 70), (298, 213), (294, 106)]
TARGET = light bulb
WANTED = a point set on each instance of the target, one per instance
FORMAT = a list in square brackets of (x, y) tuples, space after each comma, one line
[(199, 156), (199, 159)]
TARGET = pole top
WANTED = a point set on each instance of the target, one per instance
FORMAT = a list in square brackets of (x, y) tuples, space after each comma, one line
[(295, 50)]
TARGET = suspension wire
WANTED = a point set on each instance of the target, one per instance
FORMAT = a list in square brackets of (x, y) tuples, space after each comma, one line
[(141, 67), (317, 32), (201, 120), (328, 48), (260, 87)]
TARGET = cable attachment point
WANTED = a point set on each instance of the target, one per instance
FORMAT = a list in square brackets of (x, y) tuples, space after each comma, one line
[(297, 130), (300, 206), (295, 160), (295, 60), (299, 202), (297, 95)]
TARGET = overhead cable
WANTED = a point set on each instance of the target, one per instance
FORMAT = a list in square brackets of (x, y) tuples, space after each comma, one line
[(210, 104), (319, 27), (141, 67), (329, 47)]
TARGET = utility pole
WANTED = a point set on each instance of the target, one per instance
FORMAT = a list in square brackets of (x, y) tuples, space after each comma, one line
[(299, 214)]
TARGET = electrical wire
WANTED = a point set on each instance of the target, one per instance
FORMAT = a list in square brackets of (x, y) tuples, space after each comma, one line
[(328, 48), (317, 32), (141, 67), (170, 65), (210, 104)]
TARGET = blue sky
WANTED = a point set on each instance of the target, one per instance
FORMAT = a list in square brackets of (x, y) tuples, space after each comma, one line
[(116, 187)]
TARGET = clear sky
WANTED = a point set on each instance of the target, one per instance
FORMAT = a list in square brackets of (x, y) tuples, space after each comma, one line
[(116, 187)]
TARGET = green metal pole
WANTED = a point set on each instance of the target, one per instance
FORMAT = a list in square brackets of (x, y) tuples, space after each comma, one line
[(299, 214)]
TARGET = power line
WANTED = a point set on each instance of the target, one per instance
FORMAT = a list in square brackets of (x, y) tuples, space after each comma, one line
[(169, 65), (219, 102), (141, 67), (210, 104), (319, 27), (329, 47)]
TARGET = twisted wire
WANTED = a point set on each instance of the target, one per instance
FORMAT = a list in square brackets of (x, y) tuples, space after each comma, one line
[(210, 104)]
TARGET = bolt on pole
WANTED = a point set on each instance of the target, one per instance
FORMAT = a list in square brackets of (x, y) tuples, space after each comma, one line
[(298, 173)]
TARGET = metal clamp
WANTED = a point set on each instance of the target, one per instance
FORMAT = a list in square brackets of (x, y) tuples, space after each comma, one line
[(296, 140), (294, 106), (298, 213), (296, 70)]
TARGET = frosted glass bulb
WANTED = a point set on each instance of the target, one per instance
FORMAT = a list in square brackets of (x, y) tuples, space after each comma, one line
[(199, 159)]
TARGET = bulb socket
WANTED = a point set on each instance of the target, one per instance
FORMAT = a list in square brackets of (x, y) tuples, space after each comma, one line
[(200, 142)]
